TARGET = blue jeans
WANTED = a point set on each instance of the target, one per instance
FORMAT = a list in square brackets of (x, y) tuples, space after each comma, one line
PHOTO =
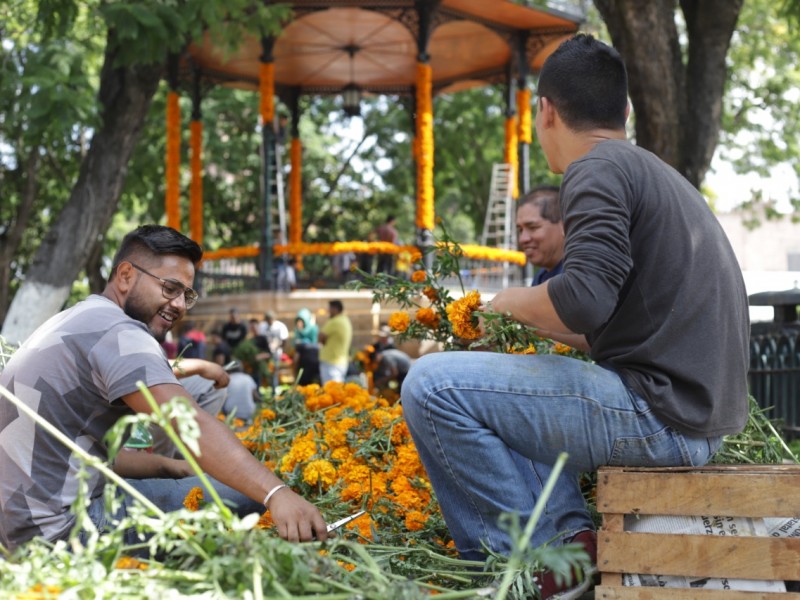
[(489, 426), (168, 495)]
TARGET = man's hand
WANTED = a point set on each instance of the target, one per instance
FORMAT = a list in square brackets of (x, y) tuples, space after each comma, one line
[(296, 519)]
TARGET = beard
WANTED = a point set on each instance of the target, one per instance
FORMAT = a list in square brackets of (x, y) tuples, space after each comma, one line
[(135, 310)]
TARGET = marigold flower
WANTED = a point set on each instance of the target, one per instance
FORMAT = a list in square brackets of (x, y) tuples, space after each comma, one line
[(560, 348), (418, 276), (193, 499), (428, 317), (461, 315), (399, 321), (415, 520), (128, 562), (431, 293), (319, 471), (531, 349)]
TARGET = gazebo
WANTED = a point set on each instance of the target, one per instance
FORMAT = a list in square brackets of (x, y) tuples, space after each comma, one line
[(413, 48)]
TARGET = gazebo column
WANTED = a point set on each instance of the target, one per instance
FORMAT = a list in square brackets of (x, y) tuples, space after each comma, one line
[(196, 185), (266, 80), (173, 148), (424, 127), (296, 177), (524, 120)]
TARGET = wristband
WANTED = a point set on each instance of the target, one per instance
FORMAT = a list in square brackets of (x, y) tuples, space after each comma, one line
[(271, 493)]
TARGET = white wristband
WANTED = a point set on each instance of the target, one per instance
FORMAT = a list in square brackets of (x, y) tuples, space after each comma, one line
[(271, 493)]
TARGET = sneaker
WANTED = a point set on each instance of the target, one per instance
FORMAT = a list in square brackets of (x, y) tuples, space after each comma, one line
[(579, 582)]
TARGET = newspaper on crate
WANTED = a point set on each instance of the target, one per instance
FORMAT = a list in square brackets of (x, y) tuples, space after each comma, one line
[(727, 526)]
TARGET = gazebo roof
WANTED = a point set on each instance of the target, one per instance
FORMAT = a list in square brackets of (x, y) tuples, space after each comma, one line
[(375, 45)]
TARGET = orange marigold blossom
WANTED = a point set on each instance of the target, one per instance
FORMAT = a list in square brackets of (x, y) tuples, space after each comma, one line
[(128, 562), (399, 321), (428, 317), (462, 318), (193, 499), (418, 276), (319, 472), (415, 520), (560, 348), (431, 293)]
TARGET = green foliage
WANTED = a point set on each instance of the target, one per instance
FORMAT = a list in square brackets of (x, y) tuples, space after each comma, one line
[(758, 443)]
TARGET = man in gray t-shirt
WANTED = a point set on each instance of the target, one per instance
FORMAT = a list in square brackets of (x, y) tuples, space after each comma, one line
[(80, 371)]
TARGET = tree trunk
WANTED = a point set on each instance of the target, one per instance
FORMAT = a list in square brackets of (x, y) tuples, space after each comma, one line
[(12, 237), (125, 95), (677, 104)]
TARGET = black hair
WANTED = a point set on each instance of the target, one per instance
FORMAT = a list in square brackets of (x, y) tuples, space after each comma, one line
[(545, 198), (156, 240), (586, 82), (337, 304)]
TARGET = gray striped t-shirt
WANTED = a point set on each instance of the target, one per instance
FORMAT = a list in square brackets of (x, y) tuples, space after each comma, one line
[(72, 371)]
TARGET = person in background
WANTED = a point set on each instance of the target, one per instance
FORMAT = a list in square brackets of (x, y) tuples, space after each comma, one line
[(540, 233), (651, 283), (192, 342), (386, 232), (392, 366), (306, 349), (253, 352), (243, 395), (276, 333), (220, 350), (110, 346), (336, 336), (305, 329), (234, 330)]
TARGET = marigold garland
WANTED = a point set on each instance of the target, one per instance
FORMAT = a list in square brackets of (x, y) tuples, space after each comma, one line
[(327, 249), (511, 156), (425, 192), (462, 318), (173, 161), (196, 184), (266, 89), (525, 131)]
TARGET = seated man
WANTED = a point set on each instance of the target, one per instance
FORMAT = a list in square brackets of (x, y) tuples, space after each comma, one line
[(81, 369)]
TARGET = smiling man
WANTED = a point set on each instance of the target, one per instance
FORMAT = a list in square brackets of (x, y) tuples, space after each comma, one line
[(540, 231), (80, 371)]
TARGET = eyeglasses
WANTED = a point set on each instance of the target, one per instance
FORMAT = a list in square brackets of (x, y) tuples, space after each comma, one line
[(171, 289)]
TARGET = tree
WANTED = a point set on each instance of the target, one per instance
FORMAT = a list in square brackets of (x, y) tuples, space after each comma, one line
[(139, 36), (676, 90)]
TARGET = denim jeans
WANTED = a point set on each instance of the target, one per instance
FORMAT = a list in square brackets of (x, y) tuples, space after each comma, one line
[(488, 428), (168, 495)]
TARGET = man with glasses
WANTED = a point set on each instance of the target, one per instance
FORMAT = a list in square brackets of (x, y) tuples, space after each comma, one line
[(80, 371)]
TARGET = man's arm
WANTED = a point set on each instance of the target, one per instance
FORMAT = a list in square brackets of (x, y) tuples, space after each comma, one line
[(205, 368), (135, 464), (225, 458), (531, 306)]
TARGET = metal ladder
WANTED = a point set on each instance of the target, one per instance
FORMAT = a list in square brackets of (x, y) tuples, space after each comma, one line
[(499, 225), (279, 233)]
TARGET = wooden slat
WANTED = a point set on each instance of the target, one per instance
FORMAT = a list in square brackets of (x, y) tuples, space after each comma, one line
[(764, 491), (766, 558), (639, 593)]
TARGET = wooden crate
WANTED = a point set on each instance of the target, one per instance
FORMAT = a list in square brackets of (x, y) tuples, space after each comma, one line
[(719, 490)]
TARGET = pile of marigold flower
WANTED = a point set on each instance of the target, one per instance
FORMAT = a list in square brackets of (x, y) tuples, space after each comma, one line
[(344, 450)]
